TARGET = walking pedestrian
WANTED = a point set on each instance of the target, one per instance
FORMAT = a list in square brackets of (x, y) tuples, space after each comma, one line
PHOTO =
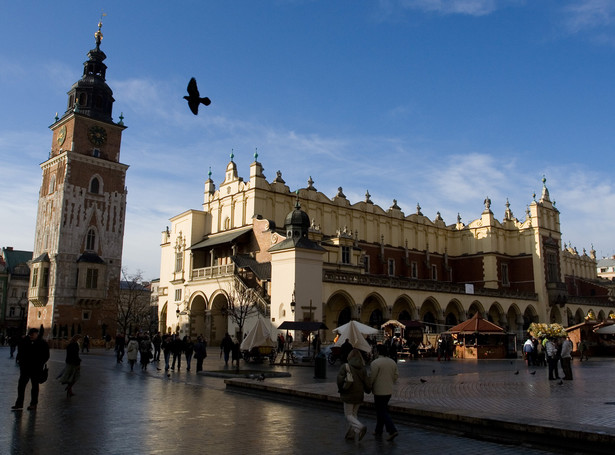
[(583, 351), (200, 352), (566, 359), (167, 342), (157, 342), (235, 353), (352, 393), (13, 342), (72, 369), (188, 347), (226, 346), (132, 351), (120, 342), (176, 350), (32, 353), (145, 349), (528, 349), (383, 375), (552, 358), (85, 344)]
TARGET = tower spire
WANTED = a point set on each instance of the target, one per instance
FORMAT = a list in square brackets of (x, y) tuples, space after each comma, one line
[(91, 92)]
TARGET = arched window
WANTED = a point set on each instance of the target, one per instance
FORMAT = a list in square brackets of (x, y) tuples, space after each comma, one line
[(90, 240), (52, 184), (95, 186)]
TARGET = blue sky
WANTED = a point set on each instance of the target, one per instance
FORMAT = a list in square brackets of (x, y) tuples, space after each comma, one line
[(431, 101)]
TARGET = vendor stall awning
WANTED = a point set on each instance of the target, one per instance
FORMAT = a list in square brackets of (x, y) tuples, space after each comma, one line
[(476, 324), (304, 326)]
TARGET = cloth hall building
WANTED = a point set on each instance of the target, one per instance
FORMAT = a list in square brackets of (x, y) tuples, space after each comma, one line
[(309, 257)]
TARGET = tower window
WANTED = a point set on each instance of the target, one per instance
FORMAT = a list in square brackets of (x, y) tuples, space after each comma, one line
[(91, 280), (366, 263), (434, 272), (414, 270), (90, 241), (95, 186), (45, 277), (82, 99), (34, 277), (52, 184)]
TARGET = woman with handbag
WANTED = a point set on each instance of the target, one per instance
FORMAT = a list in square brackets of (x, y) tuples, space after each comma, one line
[(352, 384), (72, 370)]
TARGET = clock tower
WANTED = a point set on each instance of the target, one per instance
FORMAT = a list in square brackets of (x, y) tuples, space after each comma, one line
[(76, 266)]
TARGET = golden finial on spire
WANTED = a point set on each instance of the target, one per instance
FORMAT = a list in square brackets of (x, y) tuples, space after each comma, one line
[(98, 35)]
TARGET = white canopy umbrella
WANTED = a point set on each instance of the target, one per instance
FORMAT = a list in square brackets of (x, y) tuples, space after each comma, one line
[(606, 330), (260, 335), (355, 332)]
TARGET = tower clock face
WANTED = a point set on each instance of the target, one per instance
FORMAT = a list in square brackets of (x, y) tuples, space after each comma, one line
[(97, 135), (62, 135)]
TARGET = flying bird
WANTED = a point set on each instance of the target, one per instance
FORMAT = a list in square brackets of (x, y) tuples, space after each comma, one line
[(423, 380), (517, 372), (194, 98), (533, 372)]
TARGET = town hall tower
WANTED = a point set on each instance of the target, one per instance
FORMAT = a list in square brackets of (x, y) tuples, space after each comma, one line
[(76, 269)]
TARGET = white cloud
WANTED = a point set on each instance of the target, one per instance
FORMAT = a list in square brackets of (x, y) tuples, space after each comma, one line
[(589, 14), (464, 7)]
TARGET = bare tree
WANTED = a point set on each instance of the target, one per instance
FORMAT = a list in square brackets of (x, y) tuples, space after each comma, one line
[(133, 303), (242, 303)]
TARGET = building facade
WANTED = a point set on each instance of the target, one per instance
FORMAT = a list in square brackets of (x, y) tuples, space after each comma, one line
[(309, 257), (76, 269), (606, 268), (14, 278)]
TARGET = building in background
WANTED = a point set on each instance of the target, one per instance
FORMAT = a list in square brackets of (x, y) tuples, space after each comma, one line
[(606, 268), (76, 269), (14, 278), (308, 257)]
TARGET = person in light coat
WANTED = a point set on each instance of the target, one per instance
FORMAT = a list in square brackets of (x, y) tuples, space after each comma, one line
[(132, 352), (383, 375)]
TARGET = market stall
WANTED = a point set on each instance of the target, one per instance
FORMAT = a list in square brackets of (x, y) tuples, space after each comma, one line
[(478, 338)]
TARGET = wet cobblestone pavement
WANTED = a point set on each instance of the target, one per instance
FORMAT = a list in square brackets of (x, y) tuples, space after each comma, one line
[(115, 411)]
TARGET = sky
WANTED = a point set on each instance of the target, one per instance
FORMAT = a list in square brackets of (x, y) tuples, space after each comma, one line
[(437, 102)]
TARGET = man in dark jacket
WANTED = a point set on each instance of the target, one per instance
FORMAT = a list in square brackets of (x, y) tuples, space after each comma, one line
[(32, 354), (177, 347)]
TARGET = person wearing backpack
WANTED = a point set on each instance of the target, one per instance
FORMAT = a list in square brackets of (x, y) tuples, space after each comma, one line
[(352, 384)]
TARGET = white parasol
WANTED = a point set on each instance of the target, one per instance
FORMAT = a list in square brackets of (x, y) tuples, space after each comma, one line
[(260, 335), (355, 332)]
